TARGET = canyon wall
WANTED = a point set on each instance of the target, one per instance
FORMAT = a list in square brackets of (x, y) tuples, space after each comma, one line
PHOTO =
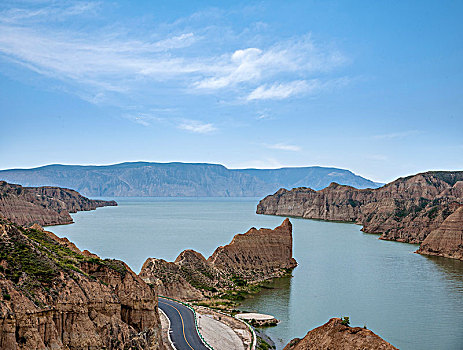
[(447, 239), (43, 205), (254, 256), (405, 210), (56, 297)]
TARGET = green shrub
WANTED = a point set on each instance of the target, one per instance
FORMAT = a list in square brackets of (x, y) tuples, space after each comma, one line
[(345, 321), (239, 281)]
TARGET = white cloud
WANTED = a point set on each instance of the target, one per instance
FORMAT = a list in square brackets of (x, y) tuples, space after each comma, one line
[(396, 135), (144, 119), (284, 147), (196, 126), (254, 64), (280, 91), (101, 62), (53, 11)]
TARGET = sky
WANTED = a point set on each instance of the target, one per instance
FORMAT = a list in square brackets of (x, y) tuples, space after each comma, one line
[(375, 87)]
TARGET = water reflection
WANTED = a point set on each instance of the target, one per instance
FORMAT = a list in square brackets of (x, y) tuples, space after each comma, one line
[(279, 292), (451, 268)]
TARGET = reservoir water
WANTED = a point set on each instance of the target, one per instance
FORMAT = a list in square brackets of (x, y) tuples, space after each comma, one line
[(412, 301)]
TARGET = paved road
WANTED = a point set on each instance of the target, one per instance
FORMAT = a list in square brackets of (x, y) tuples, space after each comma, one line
[(182, 325)]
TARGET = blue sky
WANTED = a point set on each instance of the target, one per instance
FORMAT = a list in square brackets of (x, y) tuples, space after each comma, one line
[(372, 86)]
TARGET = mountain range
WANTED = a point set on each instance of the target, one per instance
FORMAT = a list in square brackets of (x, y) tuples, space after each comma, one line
[(180, 179)]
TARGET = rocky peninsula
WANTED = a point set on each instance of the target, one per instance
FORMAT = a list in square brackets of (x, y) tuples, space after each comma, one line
[(43, 205), (254, 256), (337, 334), (406, 210)]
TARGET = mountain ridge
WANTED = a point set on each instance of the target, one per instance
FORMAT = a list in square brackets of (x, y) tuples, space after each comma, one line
[(178, 179)]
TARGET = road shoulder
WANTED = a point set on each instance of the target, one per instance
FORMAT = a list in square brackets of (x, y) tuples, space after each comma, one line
[(222, 331)]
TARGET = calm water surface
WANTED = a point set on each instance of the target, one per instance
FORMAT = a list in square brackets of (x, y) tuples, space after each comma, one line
[(412, 301)]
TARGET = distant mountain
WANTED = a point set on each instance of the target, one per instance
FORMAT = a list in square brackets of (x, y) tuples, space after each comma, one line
[(179, 179)]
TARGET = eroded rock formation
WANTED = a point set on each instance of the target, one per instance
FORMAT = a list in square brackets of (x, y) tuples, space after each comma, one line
[(447, 240), (43, 205), (335, 335), (55, 297), (405, 210), (254, 256), (257, 254)]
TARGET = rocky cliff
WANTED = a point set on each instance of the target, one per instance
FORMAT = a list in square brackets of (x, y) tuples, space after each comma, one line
[(179, 179), (405, 210), (335, 335), (257, 254), (447, 240), (56, 297), (43, 205), (254, 256)]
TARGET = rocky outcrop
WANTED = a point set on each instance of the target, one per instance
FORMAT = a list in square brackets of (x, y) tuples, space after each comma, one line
[(405, 210), (335, 335), (254, 256), (55, 297), (257, 254), (447, 240), (43, 205), (175, 279)]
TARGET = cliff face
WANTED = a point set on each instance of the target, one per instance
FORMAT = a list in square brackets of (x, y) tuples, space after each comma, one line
[(179, 179), (257, 253), (405, 210), (43, 205), (179, 280), (55, 297), (447, 240), (254, 256), (335, 335)]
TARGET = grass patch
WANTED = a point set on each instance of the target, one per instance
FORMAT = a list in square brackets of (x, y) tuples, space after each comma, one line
[(36, 260)]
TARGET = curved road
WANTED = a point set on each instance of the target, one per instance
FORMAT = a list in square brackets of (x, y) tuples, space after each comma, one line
[(182, 325)]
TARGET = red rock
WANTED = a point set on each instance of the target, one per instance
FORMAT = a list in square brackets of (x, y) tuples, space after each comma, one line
[(335, 335), (254, 256), (43, 205), (56, 298), (447, 240), (405, 210), (263, 252)]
